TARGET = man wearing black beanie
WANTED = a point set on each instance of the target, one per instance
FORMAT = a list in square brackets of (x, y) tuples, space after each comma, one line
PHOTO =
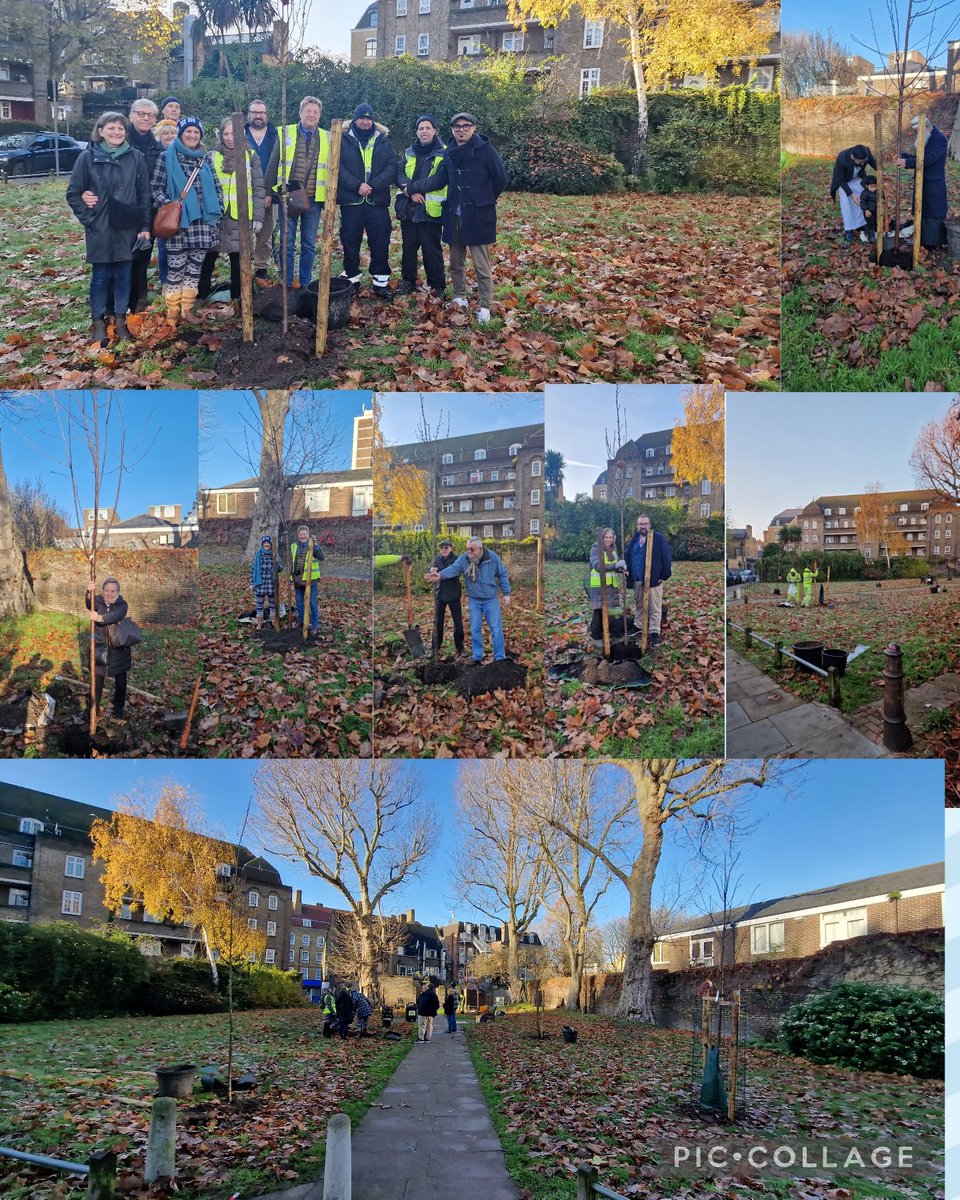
[(368, 168)]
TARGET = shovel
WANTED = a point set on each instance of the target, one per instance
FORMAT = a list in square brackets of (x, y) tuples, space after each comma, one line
[(411, 635)]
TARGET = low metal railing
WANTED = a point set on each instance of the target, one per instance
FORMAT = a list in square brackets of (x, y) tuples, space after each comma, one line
[(101, 1171), (779, 654)]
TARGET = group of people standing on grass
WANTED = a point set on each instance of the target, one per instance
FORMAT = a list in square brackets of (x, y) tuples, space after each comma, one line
[(303, 564), (857, 190), (137, 163)]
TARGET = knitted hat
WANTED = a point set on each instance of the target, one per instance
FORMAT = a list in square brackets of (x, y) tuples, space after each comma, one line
[(426, 117), (266, 538), (170, 100), (189, 123), (362, 110), (164, 124)]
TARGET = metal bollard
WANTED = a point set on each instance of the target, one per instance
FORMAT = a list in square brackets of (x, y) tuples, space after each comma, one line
[(833, 686), (102, 1180), (162, 1140), (748, 638), (896, 735), (778, 654)]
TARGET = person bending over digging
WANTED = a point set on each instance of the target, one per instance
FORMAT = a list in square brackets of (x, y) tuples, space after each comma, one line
[(302, 578), (487, 581), (263, 577)]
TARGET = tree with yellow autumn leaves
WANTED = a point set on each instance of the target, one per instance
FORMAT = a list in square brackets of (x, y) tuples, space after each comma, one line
[(698, 437)]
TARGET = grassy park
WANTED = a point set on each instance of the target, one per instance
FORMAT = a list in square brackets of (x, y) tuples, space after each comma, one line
[(68, 1088), (680, 712), (849, 325), (623, 1092), (631, 286)]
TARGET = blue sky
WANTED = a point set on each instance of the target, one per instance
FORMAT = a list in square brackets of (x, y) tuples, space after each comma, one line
[(784, 450), (577, 417), (849, 20), (229, 446), (329, 24), (161, 446), (829, 821), (455, 413)]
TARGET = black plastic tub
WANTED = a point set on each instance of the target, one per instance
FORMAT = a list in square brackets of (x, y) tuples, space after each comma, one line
[(810, 653), (341, 295), (835, 658)]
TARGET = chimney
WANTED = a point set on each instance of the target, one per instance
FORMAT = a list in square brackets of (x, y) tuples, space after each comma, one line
[(411, 916), (297, 903)]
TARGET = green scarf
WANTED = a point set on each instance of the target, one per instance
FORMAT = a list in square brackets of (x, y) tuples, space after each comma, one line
[(115, 151)]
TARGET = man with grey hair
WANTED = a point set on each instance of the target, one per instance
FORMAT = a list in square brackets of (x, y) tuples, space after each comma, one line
[(304, 161), (487, 582), (933, 201), (661, 568), (143, 117)]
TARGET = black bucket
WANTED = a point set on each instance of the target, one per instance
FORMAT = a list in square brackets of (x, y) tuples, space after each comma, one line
[(835, 658), (569, 1035), (809, 652), (341, 295)]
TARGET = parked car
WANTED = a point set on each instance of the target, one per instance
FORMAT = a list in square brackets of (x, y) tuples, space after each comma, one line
[(733, 578), (748, 575), (35, 153)]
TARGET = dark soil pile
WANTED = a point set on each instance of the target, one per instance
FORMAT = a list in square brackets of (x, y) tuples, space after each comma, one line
[(504, 676), (439, 671), (13, 714), (75, 741), (897, 258), (284, 640), (273, 360)]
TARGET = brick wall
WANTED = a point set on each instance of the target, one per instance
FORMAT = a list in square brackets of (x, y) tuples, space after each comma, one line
[(347, 544), (160, 586), (825, 125)]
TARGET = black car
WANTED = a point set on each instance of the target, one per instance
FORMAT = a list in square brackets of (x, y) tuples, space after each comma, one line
[(35, 153)]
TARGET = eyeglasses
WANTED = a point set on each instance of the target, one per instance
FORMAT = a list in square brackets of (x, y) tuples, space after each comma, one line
[(460, 128), (256, 112)]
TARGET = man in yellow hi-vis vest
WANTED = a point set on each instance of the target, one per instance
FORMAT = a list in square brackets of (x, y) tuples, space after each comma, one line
[(421, 215), (303, 577), (810, 573), (304, 164), (368, 169)]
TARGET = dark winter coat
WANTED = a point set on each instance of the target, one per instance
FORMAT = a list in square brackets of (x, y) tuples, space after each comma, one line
[(429, 1003), (148, 146), (352, 171), (447, 589), (423, 157), (934, 176), (126, 179), (475, 176), (344, 1007), (269, 154), (449, 1004), (119, 658), (661, 567), (845, 169)]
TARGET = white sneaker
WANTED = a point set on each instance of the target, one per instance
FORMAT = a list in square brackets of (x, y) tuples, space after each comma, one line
[(483, 316), (460, 302)]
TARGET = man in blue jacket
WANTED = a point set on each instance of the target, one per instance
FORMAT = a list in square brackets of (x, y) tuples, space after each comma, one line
[(661, 567), (483, 573)]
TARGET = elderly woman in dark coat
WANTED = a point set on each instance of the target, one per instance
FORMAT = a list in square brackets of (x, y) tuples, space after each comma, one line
[(933, 211), (109, 193), (847, 181), (199, 221), (221, 158), (109, 608)]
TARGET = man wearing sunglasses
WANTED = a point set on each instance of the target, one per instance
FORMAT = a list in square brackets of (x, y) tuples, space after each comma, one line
[(473, 172)]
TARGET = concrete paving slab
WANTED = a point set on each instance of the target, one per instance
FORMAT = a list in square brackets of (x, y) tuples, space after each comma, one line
[(768, 704), (735, 716), (845, 742), (759, 739)]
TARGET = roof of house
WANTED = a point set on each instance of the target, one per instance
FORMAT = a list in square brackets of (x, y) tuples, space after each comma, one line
[(304, 479), (659, 439), (924, 496), (787, 517), (930, 875), (468, 443), (145, 521), (364, 22), (601, 479)]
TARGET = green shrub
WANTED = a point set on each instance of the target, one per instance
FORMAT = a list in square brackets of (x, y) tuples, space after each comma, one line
[(561, 168), (695, 545), (178, 986), (737, 171), (16, 1006), (258, 986), (870, 1027)]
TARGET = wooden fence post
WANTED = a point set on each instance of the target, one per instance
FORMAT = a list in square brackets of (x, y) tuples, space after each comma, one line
[(778, 654), (748, 638), (162, 1141), (102, 1180)]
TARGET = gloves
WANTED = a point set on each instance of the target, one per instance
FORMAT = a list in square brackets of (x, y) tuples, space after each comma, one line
[(257, 226), (620, 565)]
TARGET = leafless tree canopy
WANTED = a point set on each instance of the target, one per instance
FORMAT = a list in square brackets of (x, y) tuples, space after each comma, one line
[(347, 948), (38, 518), (936, 455), (813, 59)]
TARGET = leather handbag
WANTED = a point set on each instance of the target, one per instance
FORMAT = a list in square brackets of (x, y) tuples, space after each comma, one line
[(297, 201), (125, 632), (166, 220)]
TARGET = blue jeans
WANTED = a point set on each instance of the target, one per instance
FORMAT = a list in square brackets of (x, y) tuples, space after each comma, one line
[(309, 223), (299, 595), (451, 1022), (106, 278), (488, 610)]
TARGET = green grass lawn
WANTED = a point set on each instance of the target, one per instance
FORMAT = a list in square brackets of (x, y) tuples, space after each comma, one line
[(620, 1098), (926, 626), (681, 713), (849, 325), (70, 1087), (664, 289)]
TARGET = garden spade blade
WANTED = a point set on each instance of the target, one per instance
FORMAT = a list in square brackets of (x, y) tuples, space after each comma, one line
[(411, 635)]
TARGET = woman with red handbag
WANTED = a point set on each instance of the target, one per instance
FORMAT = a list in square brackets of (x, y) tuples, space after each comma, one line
[(184, 163)]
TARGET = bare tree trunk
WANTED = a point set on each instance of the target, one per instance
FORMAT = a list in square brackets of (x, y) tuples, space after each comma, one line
[(643, 117), (636, 998), (268, 511), (370, 976), (16, 595)]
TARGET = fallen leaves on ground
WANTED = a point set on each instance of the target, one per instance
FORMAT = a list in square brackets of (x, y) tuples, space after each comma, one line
[(313, 702), (70, 1087), (682, 709), (415, 720), (621, 1099)]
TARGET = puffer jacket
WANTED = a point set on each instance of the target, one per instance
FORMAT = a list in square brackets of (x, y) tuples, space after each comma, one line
[(126, 179), (351, 174), (119, 658)]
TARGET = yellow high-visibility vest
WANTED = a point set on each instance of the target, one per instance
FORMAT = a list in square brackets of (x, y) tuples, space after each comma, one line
[(228, 181), (288, 148), (434, 200)]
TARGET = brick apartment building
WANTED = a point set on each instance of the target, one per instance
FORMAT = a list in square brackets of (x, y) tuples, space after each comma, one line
[(801, 925), (310, 930), (162, 525), (489, 484), (584, 55), (465, 940), (47, 873), (647, 474)]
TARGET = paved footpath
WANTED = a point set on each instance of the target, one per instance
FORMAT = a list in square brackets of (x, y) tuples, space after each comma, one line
[(764, 721), (428, 1134)]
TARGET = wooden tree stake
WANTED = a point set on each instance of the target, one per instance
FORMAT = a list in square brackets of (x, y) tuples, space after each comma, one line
[(647, 568), (881, 200), (327, 226), (605, 615), (244, 225)]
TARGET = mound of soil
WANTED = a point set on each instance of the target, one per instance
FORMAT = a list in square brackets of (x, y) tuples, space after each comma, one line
[(273, 360), (504, 675), (282, 642), (628, 671), (439, 671), (75, 741), (897, 258)]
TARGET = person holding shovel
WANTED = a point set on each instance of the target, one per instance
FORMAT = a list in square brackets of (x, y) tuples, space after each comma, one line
[(793, 578), (810, 573), (263, 579), (487, 582), (301, 550), (614, 566), (661, 568), (448, 594)]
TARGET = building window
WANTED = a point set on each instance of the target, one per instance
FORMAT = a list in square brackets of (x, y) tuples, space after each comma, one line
[(592, 35), (251, 922), (72, 904), (293, 939), (704, 510), (448, 506), (270, 957), (513, 42), (253, 899), (670, 491), (650, 494), (73, 866), (6, 110), (305, 939), (476, 477), (536, 468), (838, 926), (370, 47), (658, 956), (19, 898), (22, 858), (226, 503), (399, 46), (423, 45), (494, 475), (149, 947), (489, 504), (603, 493), (649, 452), (186, 950), (446, 460), (31, 825), (701, 952), (767, 939), (305, 957), (535, 526), (487, 531), (761, 78), (401, 8), (705, 487), (466, 506), (469, 44), (319, 958), (949, 519), (509, 502), (648, 473), (271, 929), (479, 455), (424, 6), (514, 449), (446, 480), (535, 496), (589, 82), (659, 468), (549, 36)]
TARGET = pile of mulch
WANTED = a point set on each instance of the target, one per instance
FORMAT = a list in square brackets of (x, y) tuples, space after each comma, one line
[(282, 641), (274, 359)]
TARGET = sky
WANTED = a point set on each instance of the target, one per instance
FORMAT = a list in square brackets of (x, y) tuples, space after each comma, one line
[(826, 822), (783, 451), (849, 20), (577, 417), (454, 413), (229, 445), (329, 24), (161, 448)]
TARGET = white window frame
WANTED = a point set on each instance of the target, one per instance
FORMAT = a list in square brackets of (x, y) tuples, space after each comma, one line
[(514, 449), (512, 42), (534, 526), (705, 510), (273, 902), (476, 477), (401, 8), (446, 460), (23, 853), (271, 929), (706, 487), (494, 474), (423, 45), (306, 939), (252, 923), (487, 531), (767, 938), (489, 504), (535, 496), (305, 957), (226, 504), (6, 110), (424, 7), (186, 950), (479, 455), (77, 863), (448, 506), (465, 506), (843, 919), (592, 35), (253, 898), (536, 468), (18, 898), (447, 480), (269, 956), (71, 903), (399, 45), (702, 959), (370, 48), (589, 81), (657, 956), (468, 44), (31, 826)]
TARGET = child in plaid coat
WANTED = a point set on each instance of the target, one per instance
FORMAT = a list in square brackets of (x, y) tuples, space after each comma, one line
[(263, 577)]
